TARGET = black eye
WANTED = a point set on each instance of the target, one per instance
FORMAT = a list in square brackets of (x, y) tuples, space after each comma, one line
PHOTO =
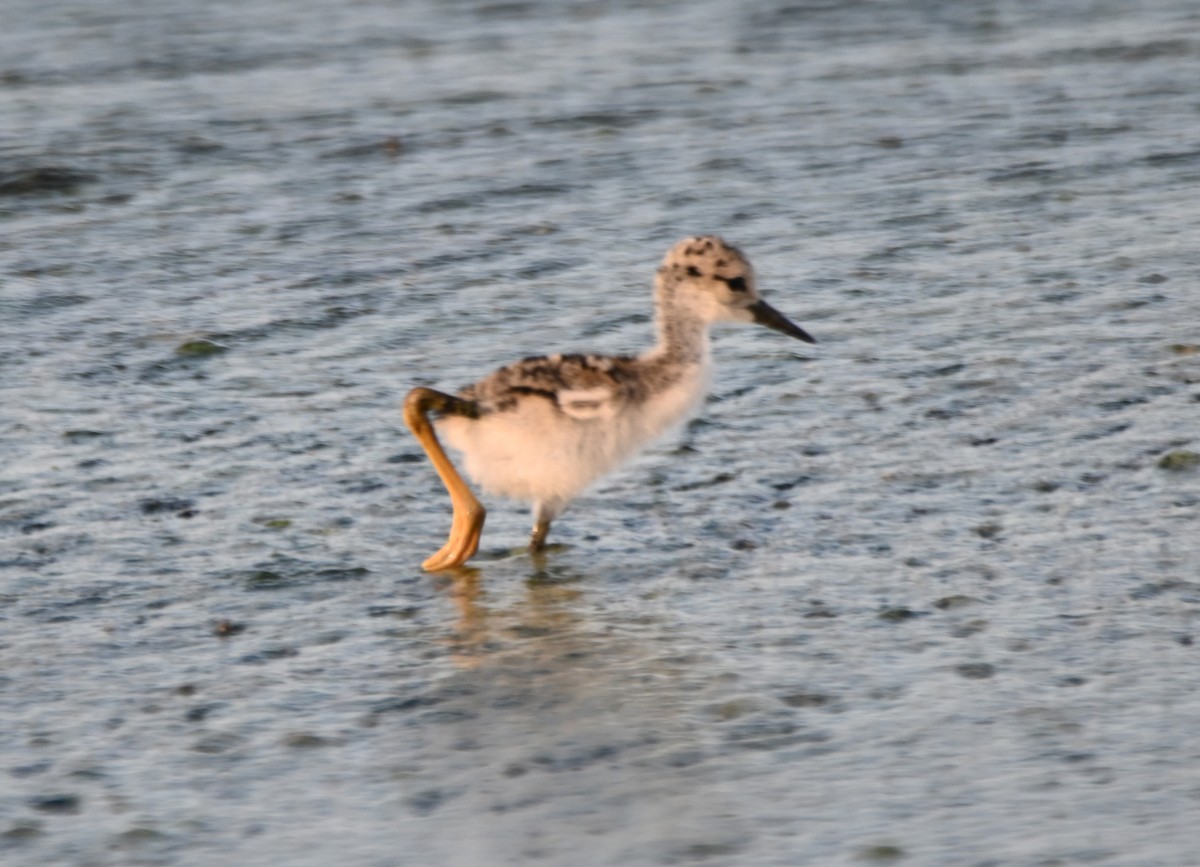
[(693, 271), (737, 284)]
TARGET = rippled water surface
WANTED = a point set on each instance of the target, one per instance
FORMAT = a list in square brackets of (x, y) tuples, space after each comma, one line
[(925, 593)]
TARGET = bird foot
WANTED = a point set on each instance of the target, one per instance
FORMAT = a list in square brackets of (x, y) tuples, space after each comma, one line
[(463, 542)]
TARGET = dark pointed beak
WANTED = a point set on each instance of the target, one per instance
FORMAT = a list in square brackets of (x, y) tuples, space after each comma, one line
[(765, 314)]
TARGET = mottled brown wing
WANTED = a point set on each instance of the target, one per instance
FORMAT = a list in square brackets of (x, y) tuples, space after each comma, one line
[(581, 386)]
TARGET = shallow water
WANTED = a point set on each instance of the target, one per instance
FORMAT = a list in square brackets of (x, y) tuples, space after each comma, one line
[(925, 592)]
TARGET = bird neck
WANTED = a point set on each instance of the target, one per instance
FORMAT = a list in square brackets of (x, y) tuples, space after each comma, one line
[(682, 335)]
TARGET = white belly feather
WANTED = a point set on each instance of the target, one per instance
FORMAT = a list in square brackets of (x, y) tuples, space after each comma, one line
[(535, 452)]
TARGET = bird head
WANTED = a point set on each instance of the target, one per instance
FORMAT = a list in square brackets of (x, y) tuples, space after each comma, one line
[(715, 282)]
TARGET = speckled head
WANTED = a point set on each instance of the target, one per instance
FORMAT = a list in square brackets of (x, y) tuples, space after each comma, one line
[(715, 282)]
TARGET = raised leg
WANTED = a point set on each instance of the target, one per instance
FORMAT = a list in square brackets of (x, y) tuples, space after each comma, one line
[(469, 514)]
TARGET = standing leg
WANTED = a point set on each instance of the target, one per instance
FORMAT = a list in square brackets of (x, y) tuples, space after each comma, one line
[(469, 514), (543, 514), (537, 539)]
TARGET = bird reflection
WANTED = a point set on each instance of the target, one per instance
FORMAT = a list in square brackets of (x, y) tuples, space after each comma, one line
[(480, 630)]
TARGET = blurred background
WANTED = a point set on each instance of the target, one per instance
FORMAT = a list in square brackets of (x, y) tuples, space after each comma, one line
[(926, 593)]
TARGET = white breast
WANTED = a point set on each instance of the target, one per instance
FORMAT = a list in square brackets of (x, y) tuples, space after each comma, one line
[(652, 418)]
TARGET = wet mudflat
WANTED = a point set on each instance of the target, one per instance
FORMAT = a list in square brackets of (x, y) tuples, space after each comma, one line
[(926, 593)]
